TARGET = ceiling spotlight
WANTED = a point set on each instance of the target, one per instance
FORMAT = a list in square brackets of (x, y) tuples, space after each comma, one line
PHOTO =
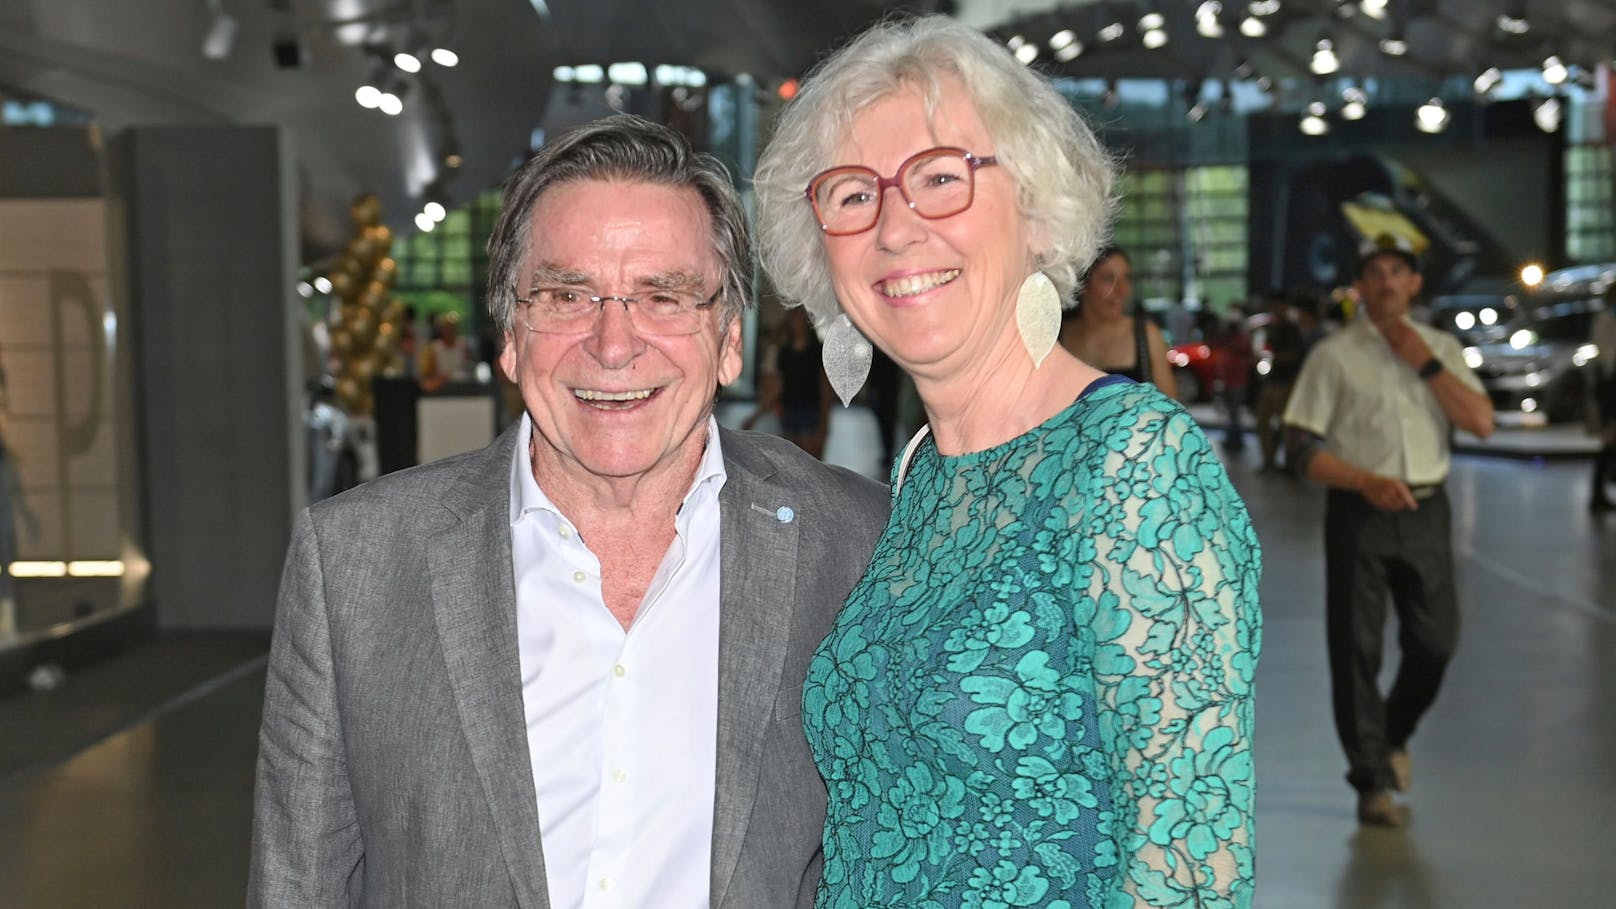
[(368, 96), (424, 222), (1432, 116), (1355, 103), (1512, 20), (1324, 61), (1069, 47), (1487, 82), (1027, 53), (220, 38), (322, 284), (1554, 71), (1015, 42), (1253, 27), (1313, 122), (1208, 26), (1153, 39), (390, 104), (1374, 9), (1547, 114), (1394, 45), (1263, 7), (1111, 32), (1345, 9), (407, 61), (435, 211), (443, 56), (1151, 22)]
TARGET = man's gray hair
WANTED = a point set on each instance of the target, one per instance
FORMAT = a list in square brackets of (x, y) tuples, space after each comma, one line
[(1063, 175), (628, 149)]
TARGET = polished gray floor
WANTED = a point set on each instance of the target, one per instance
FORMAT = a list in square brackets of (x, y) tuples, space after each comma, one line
[(130, 785)]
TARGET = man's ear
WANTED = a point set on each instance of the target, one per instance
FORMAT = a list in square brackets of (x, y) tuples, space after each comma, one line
[(730, 349)]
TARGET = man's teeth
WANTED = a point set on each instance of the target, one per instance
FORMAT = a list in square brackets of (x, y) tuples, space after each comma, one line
[(591, 395), (909, 285)]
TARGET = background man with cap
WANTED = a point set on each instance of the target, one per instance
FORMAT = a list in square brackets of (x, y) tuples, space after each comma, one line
[(1370, 417)]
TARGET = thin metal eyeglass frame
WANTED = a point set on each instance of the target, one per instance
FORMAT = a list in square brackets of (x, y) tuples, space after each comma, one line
[(600, 310), (882, 184)]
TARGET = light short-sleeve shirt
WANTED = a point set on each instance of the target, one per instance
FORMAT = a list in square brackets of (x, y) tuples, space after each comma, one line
[(622, 725), (1372, 409)]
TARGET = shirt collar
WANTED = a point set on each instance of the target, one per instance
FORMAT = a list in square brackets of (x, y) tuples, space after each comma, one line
[(527, 497)]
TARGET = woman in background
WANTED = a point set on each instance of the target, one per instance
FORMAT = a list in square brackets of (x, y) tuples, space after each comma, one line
[(1040, 693), (1103, 329)]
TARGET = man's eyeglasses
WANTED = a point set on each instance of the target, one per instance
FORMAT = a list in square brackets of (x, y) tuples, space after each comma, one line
[(564, 310), (936, 183)]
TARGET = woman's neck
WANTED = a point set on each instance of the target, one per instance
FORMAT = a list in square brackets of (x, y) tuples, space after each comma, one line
[(999, 400)]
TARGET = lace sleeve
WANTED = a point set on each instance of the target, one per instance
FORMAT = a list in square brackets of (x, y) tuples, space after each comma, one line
[(1175, 573)]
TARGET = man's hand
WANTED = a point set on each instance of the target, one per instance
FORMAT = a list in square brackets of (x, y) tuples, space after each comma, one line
[(1388, 494), (1405, 342)]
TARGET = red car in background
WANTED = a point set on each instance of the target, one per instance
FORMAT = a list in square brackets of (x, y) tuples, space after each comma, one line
[(1195, 363)]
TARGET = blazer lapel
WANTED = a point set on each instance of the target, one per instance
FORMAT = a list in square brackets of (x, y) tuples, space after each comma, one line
[(757, 595), (474, 601)]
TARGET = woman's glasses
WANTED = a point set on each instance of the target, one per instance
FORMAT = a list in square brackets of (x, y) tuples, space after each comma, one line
[(935, 183)]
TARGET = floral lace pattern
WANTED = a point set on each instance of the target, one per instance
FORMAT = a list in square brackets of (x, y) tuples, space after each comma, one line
[(1040, 694)]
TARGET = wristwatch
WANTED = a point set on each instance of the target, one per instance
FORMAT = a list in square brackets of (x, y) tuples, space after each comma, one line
[(1430, 368)]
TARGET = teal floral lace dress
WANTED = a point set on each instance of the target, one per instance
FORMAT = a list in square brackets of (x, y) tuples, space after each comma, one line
[(1040, 694)]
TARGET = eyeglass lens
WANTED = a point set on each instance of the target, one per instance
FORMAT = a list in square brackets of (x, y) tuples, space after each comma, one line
[(936, 184)]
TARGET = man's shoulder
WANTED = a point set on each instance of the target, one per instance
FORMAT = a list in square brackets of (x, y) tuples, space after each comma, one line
[(415, 494), (784, 463)]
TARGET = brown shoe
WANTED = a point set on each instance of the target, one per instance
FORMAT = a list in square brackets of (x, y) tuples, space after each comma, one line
[(1402, 769), (1377, 808)]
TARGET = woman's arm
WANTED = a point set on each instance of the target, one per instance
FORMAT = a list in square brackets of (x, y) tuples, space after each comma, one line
[(1178, 632), (1161, 368)]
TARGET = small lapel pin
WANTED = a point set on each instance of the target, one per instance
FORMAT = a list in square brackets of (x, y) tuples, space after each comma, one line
[(784, 514)]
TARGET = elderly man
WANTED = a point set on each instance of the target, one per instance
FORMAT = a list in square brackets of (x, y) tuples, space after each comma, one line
[(1383, 395), (566, 670)]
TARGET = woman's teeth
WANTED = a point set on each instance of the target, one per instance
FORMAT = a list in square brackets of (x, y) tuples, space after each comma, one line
[(909, 285)]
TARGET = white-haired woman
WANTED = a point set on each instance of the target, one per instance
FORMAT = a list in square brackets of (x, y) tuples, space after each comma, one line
[(1040, 693)]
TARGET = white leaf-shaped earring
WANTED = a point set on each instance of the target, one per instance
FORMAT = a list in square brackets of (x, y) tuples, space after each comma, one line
[(1038, 316), (846, 355)]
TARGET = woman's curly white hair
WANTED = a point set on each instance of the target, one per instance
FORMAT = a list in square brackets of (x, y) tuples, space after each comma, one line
[(1064, 177)]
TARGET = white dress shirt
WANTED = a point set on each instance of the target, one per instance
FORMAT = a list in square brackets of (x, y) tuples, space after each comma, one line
[(621, 726), (1372, 409)]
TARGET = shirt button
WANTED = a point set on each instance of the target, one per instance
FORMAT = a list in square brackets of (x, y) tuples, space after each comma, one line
[(620, 776), (605, 883), (619, 670), (565, 531), (580, 577)]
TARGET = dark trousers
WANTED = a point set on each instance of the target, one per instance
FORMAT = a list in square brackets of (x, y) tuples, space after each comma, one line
[(1370, 556)]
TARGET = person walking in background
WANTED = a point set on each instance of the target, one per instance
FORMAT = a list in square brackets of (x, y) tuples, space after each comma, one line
[(1383, 395), (793, 386), (1105, 328), (1283, 339), (1233, 364), (1604, 338), (1040, 694), (568, 664)]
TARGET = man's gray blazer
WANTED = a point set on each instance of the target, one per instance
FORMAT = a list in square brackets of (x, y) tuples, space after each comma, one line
[(393, 764)]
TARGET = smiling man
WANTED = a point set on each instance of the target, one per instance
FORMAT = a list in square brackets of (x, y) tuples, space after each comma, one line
[(566, 670)]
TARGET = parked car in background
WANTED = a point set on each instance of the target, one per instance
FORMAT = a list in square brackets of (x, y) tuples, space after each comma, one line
[(1538, 368), (1475, 318)]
